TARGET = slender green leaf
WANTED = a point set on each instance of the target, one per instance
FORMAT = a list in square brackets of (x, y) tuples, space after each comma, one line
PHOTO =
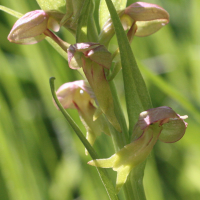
[(11, 12), (137, 96), (104, 13), (119, 113)]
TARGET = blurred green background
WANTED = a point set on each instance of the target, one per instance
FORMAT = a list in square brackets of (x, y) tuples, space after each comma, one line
[(41, 158)]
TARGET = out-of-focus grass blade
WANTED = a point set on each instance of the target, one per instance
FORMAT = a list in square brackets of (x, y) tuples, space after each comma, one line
[(11, 12), (104, 13), (19, 161), (171, 91)]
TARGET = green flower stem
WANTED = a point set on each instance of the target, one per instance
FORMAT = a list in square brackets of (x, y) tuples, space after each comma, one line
[(81, 31), (137, 99), (136, 93), (117, 138), (102, 172), (92, 34), (86, 20), (128, 191), (133, 188), (120, 115), (64, 45), (136, 179)]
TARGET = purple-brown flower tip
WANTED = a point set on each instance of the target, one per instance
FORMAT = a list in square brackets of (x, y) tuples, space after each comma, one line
[(94, 51), (173, 125), (74, 95), (148, 17), (30, 28)]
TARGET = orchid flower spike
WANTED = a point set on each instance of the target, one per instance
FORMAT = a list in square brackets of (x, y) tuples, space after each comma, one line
[(140, 19), (158, 123), (78, 95), (30, 28)]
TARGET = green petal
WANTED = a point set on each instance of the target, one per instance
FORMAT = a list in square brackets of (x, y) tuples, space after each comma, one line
[(122, 175), (173, 131), (149, 27), (104, 163)]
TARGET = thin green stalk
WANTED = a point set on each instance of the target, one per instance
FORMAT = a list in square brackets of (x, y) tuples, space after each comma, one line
[(117, 138), (137, 99), (128, 191), (119, 113), (86, 30), (136, 179), (92, 34), (136, 93)]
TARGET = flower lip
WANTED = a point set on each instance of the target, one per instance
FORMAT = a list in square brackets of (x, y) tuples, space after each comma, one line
[(173, 125)]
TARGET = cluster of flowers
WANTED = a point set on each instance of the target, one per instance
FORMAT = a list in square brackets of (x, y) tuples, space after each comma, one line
[(92, 98)]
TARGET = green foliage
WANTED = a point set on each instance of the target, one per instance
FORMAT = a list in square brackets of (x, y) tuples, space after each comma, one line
[(41, 157)]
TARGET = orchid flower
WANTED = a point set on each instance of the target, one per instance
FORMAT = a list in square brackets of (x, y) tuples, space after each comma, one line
[(140, 19), (34, 26), (94, 58), (30, 28), (160, 123), (77, 95)]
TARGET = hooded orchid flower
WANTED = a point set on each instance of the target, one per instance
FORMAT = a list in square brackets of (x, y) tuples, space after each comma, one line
[(140, 19), (34, 26), (30, 28), (77, 95), (160, 123), (94, 58)]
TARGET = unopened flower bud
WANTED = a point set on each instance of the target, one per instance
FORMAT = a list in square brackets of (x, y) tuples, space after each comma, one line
[(148, 17), (140, 19), (30, 28)]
